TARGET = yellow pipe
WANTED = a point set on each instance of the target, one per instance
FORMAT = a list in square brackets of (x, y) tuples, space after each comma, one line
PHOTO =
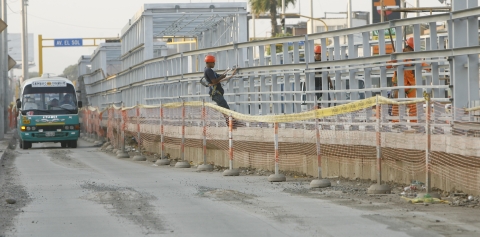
[(40, 55)]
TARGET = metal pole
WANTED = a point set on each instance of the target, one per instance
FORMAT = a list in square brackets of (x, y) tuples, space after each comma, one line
[(311, 15), (317, 133), (123, 154), (230, 171), (204, 118), (162, 137), (5, 64), (253, 28), (3, 88), (230, 141), (275, 126), (382, 13), (40, 55), (138, 127), (24, 40), (428, 148), (349, 14), (182, 146), (277, 177), (283, 16), (417, 4), (379, 144)]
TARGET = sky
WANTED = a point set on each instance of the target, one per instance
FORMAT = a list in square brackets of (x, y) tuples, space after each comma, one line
[(97, 18)]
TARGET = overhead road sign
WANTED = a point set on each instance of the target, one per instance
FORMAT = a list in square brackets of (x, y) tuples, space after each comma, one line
[(68, 42)]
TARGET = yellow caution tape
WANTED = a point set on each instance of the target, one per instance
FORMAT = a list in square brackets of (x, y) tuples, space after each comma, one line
[(285, 118)]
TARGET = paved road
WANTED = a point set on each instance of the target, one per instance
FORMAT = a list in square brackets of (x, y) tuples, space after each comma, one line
[(86, 192)]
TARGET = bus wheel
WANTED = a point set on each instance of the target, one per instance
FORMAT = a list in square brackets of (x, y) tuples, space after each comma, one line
[(63, 144), (21, 143), (26, 145), (73, 144)]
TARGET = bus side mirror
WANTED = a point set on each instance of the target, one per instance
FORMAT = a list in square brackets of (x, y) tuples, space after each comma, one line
[(19, 104), (80, 104)]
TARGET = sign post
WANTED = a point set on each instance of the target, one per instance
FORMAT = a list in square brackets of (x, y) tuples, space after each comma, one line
[(67, 42)]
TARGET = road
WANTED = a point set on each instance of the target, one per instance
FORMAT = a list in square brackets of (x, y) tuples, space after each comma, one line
[(87, 192)]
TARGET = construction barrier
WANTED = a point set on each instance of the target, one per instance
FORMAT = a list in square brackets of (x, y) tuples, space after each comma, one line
[(363, 139)]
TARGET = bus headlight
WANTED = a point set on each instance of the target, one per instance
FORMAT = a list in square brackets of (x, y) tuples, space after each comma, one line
[(33, 128), (23, 128), (29, 128)]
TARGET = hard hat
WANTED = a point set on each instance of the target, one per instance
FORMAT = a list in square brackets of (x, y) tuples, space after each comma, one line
[(317, 49), (410, 42), (209, 59)]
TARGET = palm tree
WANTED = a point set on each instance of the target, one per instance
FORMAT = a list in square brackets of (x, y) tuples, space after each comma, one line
[(271, 6)]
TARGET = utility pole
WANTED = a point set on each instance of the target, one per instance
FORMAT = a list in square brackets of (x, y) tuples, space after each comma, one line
[(417, 5), (284, 29), (4, 68), (349, 14), (24, 40), (3, 88), (311, 15)]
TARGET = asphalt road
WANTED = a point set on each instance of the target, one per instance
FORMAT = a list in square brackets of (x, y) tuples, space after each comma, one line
[(86, 192)]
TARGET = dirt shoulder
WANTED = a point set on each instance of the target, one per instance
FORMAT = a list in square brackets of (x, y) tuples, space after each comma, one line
[(13, 197)]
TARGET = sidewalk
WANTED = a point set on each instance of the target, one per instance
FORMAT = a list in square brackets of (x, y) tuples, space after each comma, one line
[(5, 142)]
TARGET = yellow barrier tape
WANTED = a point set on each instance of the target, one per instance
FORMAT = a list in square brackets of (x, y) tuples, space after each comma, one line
[(472, 109), (285, 118)]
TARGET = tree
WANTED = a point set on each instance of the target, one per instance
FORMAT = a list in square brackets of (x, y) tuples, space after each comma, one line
[(271, 6), (71, 72)]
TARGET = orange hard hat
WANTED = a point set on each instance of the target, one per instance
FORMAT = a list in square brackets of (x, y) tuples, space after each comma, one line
[(209, 59), (410, 42), (317, 49)]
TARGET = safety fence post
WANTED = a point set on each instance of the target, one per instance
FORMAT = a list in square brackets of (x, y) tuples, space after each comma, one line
[(231, 171), (98, 138), (204, 166), (428, 148), (319, 183), (163, 159), (277, 177), (88, 123), (182, 163), (378, 188), (140, 156), (117, 128), (109, 130), (122, 153)]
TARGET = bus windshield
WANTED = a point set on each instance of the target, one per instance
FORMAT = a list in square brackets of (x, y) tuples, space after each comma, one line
[(49, 100)]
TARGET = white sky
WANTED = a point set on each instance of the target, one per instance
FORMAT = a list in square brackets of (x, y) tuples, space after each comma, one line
[(105, 18)]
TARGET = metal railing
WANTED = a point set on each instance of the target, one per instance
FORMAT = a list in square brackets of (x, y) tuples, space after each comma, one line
[(285, 83)]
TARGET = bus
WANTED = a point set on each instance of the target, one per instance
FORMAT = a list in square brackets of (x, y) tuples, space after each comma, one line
[(48, 112)]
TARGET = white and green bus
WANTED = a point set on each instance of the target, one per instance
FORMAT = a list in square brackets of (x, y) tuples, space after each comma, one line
[(48, 112)]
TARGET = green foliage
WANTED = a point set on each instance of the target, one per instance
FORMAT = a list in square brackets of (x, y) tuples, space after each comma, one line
[(270, 6), (71, 72)]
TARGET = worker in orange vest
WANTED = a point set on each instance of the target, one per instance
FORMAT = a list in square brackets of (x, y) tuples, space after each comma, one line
[(408, 80)]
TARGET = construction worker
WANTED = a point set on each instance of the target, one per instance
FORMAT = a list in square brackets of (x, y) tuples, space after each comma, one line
[(214, 82), (318, 75), (408, 80)]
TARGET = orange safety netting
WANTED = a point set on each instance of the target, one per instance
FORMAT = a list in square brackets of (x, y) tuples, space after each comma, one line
[(347, 139)]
